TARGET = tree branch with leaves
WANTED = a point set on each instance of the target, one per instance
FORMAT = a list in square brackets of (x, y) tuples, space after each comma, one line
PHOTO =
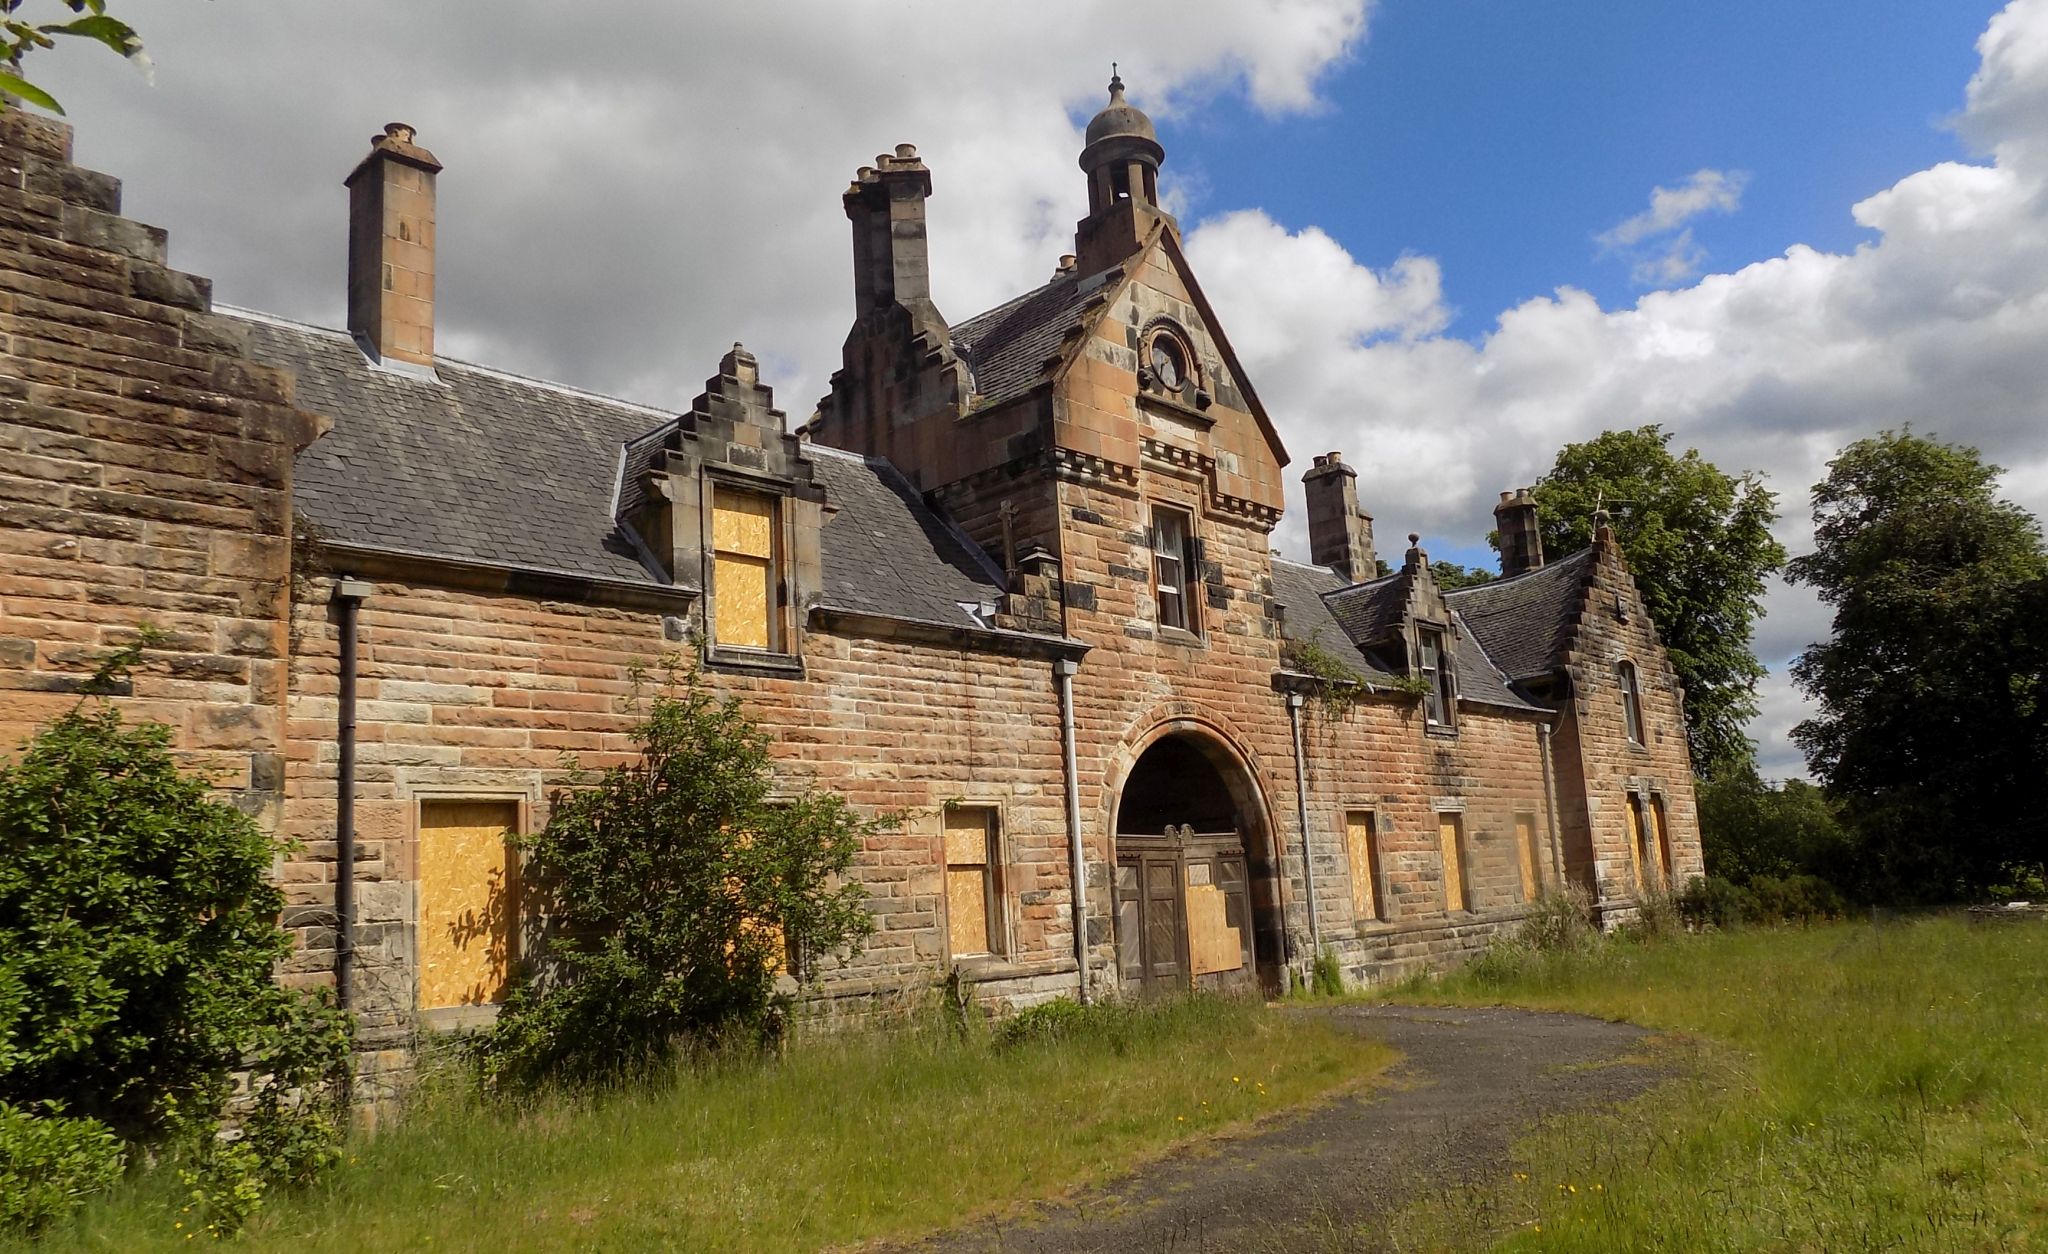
[(19, 38)]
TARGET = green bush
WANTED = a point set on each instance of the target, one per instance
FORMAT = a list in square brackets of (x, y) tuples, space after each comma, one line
[(1060, 1019), (1327, 979), (1796, 898), (138, 936), (1562, 922), (677, 890), (1708, 901), (49, 1165)]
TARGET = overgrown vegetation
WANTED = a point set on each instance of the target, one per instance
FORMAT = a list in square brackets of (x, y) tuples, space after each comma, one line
[(138, 936), (1838, 1087), (676, 890), (1337, 681), (836, 1141), (19, 38)]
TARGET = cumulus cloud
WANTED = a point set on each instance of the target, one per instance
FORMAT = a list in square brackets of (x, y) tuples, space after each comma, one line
[(1939, 322), (1659, 240)]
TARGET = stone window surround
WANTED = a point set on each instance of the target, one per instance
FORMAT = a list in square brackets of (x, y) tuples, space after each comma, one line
[(789, 659), (1194, 394), (1628, 677), (1386, 916), (528, 797), (1447, 679), (1191, 585)]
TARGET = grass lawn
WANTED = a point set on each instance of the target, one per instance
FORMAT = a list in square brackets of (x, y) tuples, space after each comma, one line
[(1846, 1087), (843, 1140)]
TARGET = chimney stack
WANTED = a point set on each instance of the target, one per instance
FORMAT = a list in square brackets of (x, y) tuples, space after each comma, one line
[(891, 266), (391, 249), (1339, 532), (1521, 539)]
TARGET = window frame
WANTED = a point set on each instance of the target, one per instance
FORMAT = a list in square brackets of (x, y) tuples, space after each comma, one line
[(1185, 591), (1442, 695), (779, 644), (1629, 678), (994, 884)]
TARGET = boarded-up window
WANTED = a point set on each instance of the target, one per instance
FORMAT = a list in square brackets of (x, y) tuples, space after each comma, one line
[(1529, 856), (1170, 565), (974, 890), (1663, 832), (1450, 830), (744, 576), (1362, 843), (468, 931), (1635, 841), (1631, 701)]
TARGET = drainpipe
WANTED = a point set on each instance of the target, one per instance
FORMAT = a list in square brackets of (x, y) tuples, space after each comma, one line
[(1308, 866), (1550, 807), (349, 593), (1077, 867)]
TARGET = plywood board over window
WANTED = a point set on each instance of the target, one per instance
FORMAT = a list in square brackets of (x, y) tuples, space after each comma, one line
[(1450, 830), (743, 569), (468, 923), (973, 881), (1530, 863), (1635, 840), (1361, 843)]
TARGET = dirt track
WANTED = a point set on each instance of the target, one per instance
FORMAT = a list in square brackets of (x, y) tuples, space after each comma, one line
[(1468, 1084)]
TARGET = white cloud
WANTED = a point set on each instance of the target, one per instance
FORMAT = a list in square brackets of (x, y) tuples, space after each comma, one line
[(1659, 240), (1939, 322)]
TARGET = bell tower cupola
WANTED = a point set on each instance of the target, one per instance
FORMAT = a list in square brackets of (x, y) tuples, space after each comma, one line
[(1121, 158)]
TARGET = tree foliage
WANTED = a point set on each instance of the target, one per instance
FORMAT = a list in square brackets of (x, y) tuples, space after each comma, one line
[(1450, 575), (676, 889), (19, 38), (138, 937), (1750, 829), (1699, 544), (1932, 726)]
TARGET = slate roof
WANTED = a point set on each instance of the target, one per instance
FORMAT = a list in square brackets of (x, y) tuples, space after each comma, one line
[(886, 553), (1007, 347), (1525, 621), (511, 472), (481, 466), (1318, 604)]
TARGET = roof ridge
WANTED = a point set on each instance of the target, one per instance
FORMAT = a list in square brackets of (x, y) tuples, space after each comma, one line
[(491, 372), (1509, 580)]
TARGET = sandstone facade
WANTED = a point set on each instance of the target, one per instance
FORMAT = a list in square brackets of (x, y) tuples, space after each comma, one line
[(1037, 536)]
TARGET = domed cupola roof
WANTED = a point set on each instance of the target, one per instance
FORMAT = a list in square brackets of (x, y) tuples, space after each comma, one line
[(1120, 130)]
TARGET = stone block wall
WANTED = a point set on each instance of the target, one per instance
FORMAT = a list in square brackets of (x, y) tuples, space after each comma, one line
[(145, 476)]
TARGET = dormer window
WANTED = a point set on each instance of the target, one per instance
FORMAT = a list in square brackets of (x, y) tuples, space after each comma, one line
[(1432, 663), (1631, 701), (1171, 532), (746, 570)]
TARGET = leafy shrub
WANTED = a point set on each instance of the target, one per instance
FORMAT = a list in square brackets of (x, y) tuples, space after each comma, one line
[(676, 892), (50, 1163), (138, 934), (1327, 979), (1060, 1019), (1796, 898), (1708, 901), (1561, 923), (1656, 917)]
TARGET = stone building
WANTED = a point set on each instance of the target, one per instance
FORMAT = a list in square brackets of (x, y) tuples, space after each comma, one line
[(1014, 575)]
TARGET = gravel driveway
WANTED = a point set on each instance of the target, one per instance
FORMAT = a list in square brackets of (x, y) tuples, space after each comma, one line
[(1470, 1082)]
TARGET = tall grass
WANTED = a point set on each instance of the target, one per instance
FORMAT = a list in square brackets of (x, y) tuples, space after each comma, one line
[(842, 1140), (1842, 1087)]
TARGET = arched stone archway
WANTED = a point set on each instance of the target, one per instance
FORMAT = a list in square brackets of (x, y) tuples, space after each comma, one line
[(1196, 897)]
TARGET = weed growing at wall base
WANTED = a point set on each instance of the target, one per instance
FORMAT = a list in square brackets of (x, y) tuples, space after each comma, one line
[(1839, 1087)]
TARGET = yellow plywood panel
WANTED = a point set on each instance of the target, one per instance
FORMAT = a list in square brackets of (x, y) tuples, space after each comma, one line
[(743, 523), (1525, 853), (1358, 842), (1213, 945), (468, 902), (967, 909), (966, 837), (742, 592), (1663, 838), (1448, 837), (1635, 840)]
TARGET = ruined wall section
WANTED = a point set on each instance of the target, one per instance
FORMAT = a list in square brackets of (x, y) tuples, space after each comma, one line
[(145, 476)]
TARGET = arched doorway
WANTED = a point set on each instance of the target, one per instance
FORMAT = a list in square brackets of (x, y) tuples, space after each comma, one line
[(1197, 904)]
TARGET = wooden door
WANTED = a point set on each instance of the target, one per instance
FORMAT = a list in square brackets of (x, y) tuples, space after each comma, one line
[(1151, 920)]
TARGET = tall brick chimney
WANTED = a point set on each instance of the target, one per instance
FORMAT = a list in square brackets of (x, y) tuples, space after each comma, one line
[(1521, 538), (391, 248), (1339, 532), (891, 265)]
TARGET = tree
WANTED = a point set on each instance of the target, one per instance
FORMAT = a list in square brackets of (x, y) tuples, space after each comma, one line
[(1449, 575), (19, 38), (1699, 544), (1751, 830), (138, 939), (676, 890), (1931, 723)]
